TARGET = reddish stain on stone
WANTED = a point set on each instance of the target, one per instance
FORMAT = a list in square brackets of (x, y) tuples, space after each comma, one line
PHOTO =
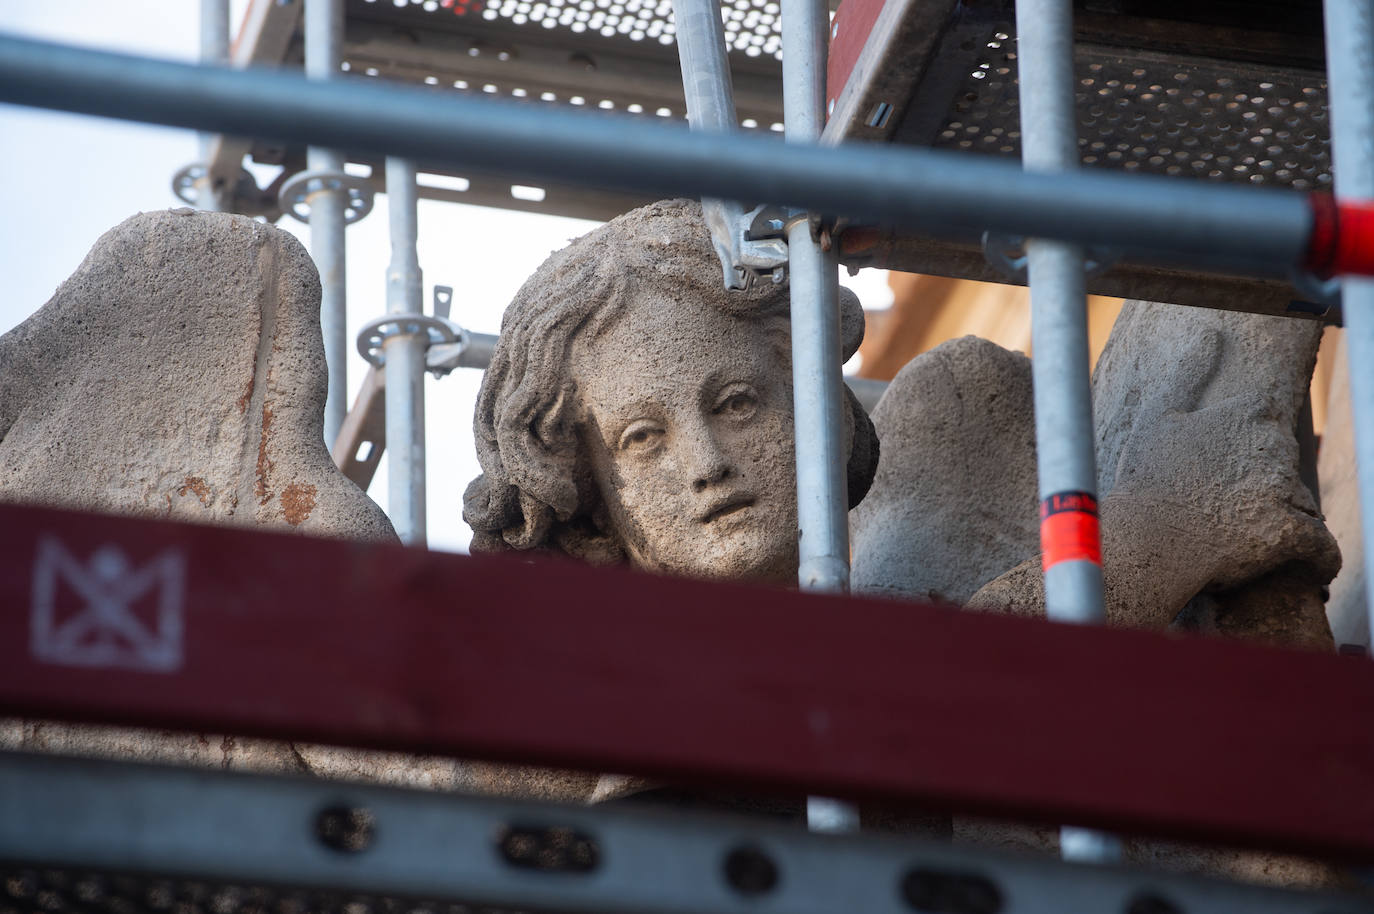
[(248, 391), (264, 462), (197, 485), (297, 502)]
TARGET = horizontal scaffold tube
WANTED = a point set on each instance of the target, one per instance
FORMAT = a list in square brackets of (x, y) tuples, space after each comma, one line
[(1254, 230)]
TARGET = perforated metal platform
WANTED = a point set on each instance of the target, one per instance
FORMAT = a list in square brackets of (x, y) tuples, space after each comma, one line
[(1213, 91), (597, 55), (1209, 91), (83, 891), (1163, 115)]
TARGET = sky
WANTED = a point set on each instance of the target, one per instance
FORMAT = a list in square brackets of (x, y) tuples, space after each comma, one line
[(68, 179)]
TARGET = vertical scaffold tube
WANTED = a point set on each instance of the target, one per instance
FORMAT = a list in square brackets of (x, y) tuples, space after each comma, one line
[(710, 98), (1069, 537), (1350, 76), (404, 356), (817, 385), (323, 54), (706, 85), (214, 51)]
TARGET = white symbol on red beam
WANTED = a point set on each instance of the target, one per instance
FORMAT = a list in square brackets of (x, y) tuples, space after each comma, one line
[(105, 612)]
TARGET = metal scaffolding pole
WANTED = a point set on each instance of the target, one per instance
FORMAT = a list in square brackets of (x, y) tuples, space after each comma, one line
[(1246, 229), (1069, 536), (214, 50), (710, 98), (323, 54), (1350, 76), (404, 355), (817, 383)]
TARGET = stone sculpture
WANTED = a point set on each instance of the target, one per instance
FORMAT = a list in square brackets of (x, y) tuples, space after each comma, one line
[(1203, 503), (1206, 520), (635, 411), (180, 373)]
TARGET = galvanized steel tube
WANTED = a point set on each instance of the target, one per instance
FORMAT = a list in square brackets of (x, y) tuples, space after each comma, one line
[(323, 54), (1059, 316), (404, 355), (1251, 229), (214, 50), (817, 384), (1350, 77), (1059, 341), (706, 83)]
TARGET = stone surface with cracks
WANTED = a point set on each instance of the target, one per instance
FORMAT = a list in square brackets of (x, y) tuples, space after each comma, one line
[(1196, 415), (179, 373)]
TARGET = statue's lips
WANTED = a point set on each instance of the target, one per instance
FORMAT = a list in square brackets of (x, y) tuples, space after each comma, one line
[(727, 507)]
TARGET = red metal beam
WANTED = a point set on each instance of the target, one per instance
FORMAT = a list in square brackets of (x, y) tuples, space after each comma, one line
[(550, 662)]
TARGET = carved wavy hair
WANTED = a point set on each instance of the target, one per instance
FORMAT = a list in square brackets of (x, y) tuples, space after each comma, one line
[(536, 489)]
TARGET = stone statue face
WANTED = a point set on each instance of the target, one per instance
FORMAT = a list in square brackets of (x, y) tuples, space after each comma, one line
[(686, 417)]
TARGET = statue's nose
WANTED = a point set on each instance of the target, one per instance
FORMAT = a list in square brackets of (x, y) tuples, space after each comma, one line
[(710, 464)]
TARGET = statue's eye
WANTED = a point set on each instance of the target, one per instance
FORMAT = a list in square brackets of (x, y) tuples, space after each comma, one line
[(738, 403), (640, 436)]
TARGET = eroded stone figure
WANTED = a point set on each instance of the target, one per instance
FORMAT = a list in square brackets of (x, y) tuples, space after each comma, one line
[(1203, 503), (179, 373), (637, 412), (1206, 521)]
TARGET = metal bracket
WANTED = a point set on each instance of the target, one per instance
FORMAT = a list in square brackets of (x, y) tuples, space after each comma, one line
[(244, 197), (449, 345), (1007, 254), (1314, 289), (374, 334), (297, 191), (745, 242)]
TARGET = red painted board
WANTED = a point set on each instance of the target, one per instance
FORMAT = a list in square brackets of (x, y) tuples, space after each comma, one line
[(556, 663), (849, 30)]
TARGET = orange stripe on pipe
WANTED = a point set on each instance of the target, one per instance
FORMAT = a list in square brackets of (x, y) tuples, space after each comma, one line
[(1069, 529)]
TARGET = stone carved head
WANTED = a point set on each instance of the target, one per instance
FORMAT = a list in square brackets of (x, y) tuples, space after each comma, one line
[(635, 411)]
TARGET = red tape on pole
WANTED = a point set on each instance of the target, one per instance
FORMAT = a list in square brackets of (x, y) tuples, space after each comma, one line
[(1069, 529), (1342, 242)]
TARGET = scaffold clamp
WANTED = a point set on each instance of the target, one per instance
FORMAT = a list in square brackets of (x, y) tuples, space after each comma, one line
[(1007, 254), (244, 196), (748, 243)]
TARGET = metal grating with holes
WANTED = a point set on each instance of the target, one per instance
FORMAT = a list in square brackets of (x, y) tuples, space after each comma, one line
[(607, 54), (752, 27), (1161, 115), (595, 55), (45, 890)]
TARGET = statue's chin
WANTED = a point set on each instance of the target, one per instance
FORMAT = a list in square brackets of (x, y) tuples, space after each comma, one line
[(749, 560)]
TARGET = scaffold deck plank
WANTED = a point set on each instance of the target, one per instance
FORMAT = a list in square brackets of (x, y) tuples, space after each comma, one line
[(80, 836), (526, 659)]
